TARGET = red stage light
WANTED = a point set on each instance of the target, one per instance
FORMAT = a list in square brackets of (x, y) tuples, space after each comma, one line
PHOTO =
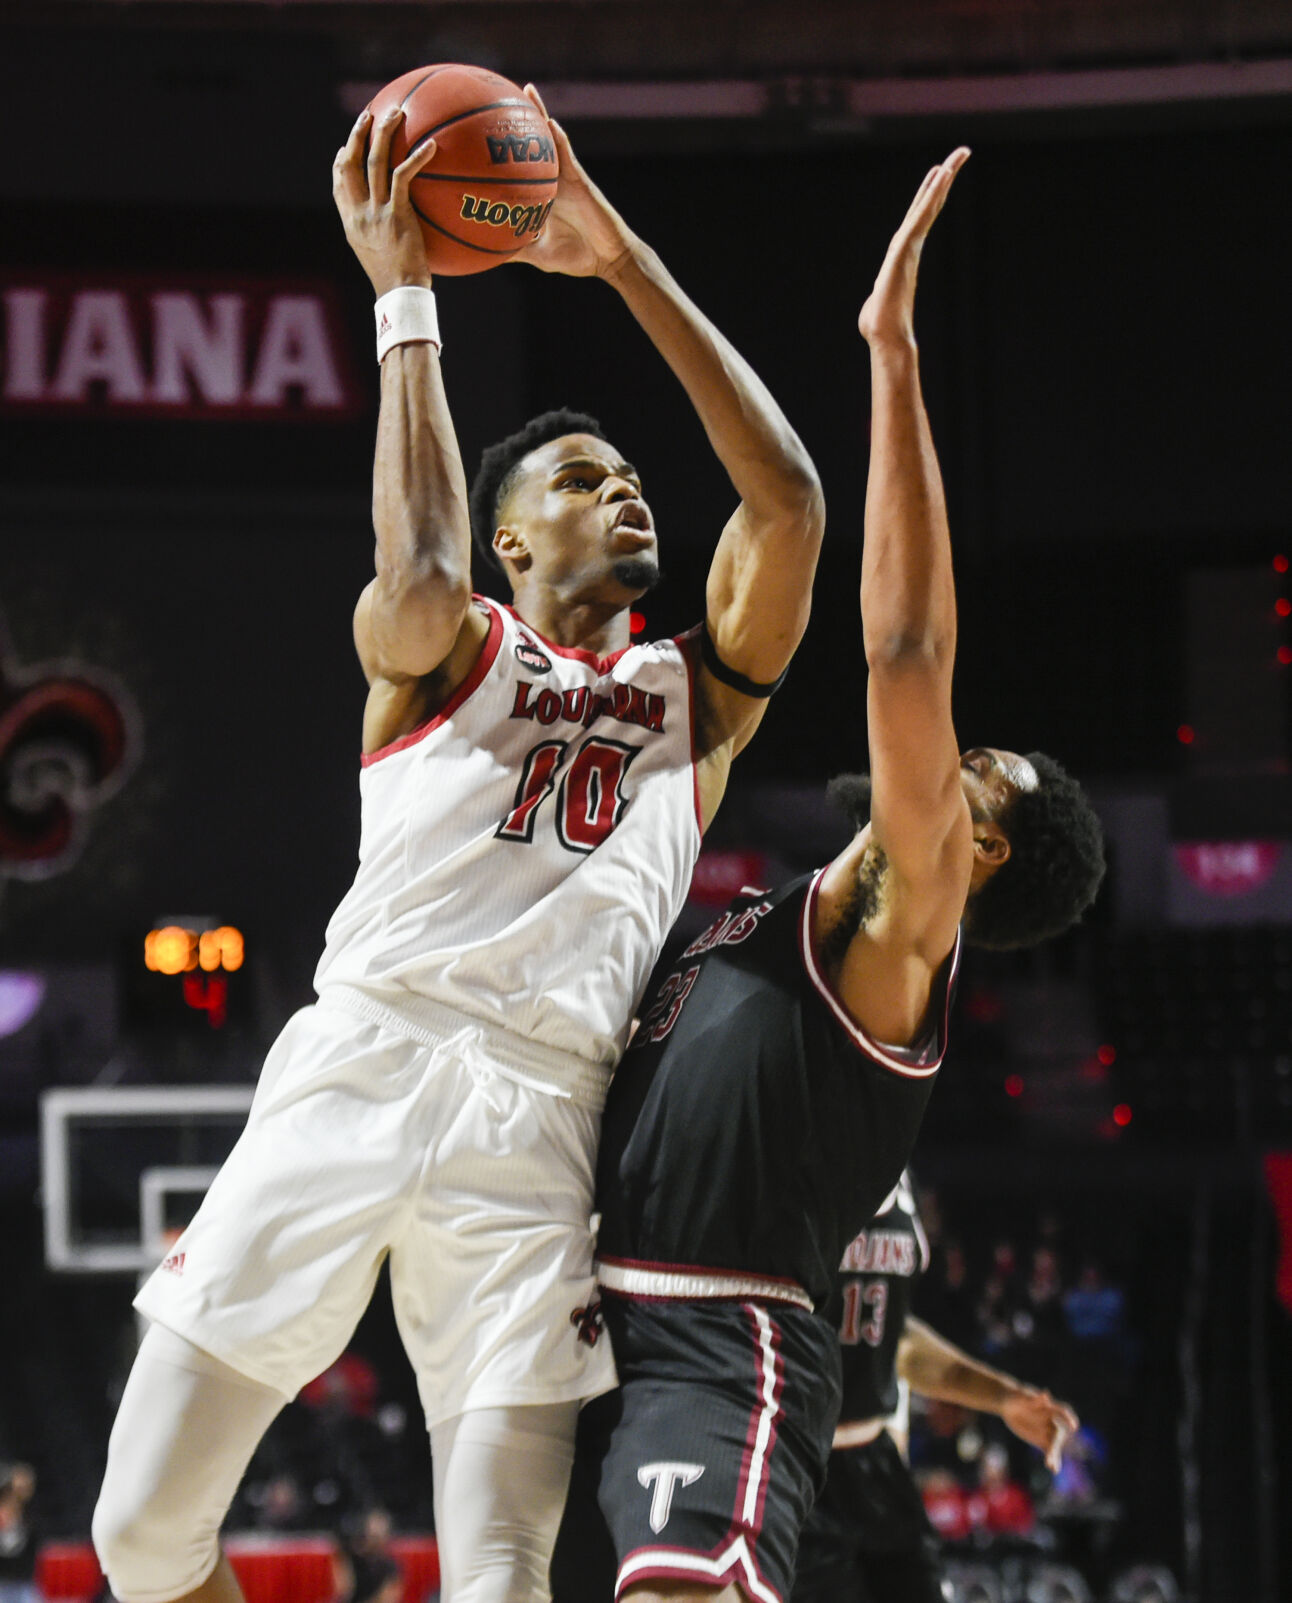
[(1280, 563), (1184, 734), (1283, 607), (1122, 1114), (637, 622), (1284, 655), (1013, 1085), (1107, 1055)]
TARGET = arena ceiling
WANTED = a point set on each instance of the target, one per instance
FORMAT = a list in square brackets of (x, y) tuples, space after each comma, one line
[(741, 39)]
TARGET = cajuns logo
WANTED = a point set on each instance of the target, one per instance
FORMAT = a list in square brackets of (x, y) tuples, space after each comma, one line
[(520, 147), (881, 1252), (521, 220), (67, 742), (730, 930)]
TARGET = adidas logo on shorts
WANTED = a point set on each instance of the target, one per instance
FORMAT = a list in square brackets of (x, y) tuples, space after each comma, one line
[(175, 1263)]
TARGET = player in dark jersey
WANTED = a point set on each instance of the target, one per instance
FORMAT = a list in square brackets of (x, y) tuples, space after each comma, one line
[(868, 1539), (782, 1064)]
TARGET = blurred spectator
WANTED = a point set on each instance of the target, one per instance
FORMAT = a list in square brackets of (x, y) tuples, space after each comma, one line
[(945, 1504), (947, 1298), (349, 1386), (1044, 1288), (1076, 1486), (941, 1435), (999, 1506), (280, 1505), (375, 1576), (1039, 1320), (996, 1304), (1095, 1310), (18, 1539)]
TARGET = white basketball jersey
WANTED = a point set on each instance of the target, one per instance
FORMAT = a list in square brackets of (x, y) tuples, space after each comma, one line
[(525, 852)]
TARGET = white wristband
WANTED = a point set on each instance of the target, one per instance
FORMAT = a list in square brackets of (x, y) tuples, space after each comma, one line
[(406, 316)]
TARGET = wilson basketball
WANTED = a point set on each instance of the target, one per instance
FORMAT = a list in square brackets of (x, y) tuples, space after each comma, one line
[(491, 184)]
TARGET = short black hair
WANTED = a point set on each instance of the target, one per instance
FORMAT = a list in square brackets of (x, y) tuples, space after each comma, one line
[(1054, 868), (498, 466), (1055, 863), (850, 793)]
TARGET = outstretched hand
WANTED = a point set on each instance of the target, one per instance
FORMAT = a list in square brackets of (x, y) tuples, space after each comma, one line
[(374, 203), (1035, 1417), (584, 235), (889, 312)]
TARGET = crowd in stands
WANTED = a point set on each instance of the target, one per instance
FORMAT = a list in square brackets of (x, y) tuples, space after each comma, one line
[(352, 1442), (19, 1533), (1042, 1308), (349, 1456)]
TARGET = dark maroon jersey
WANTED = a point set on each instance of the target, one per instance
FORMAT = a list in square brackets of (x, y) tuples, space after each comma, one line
[(753, 1126), (877, 1279)]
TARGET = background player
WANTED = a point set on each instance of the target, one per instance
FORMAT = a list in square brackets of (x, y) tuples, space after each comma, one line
[(527, 774), (868, 1539), (781, 1068)]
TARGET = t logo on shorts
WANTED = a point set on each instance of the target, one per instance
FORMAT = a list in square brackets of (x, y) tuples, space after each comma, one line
[(665, 1477)]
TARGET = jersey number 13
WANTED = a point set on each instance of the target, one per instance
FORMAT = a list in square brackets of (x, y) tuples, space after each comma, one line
[(865, 1302)]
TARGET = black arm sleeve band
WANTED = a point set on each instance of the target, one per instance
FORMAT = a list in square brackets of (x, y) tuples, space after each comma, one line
[(714, 663)]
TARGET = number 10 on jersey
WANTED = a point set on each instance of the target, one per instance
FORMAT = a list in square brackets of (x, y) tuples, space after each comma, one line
[(591, 800)]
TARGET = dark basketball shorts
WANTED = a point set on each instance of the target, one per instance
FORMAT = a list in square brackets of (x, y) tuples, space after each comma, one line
[(868, 1539), (704, 1463)]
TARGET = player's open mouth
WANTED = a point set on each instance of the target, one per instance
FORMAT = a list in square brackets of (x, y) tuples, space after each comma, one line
[(633, 517)]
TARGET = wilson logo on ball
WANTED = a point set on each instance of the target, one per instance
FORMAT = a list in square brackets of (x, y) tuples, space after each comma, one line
[(520, 147), (521, 220)]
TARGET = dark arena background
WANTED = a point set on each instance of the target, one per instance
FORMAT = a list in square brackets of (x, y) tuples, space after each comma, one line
[(1105, 336)]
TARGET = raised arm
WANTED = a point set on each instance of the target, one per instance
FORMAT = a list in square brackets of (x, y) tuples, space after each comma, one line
[(414, 629), (919, 848), (933, 1367), (760, 582)]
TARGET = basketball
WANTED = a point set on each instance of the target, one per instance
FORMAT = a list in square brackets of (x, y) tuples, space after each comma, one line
[(491, 185)]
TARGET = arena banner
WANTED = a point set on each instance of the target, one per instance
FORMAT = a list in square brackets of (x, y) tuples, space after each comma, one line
[(1230, 882), (174, 346)]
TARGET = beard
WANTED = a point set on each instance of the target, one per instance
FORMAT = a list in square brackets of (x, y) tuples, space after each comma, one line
[(639, 573)]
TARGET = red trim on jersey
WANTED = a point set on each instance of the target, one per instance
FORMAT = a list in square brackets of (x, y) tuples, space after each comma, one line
[(863, 1041), (469, 685), (688, 644), (601, 664)]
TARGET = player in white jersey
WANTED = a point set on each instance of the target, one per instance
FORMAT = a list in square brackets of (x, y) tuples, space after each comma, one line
[(534, 788)]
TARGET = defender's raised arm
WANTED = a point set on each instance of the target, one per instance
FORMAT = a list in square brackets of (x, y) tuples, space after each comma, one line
[(1006, 843), (908, 609), (899, 890)]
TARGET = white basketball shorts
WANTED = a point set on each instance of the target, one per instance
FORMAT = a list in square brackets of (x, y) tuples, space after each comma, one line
[(450, 1154)]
